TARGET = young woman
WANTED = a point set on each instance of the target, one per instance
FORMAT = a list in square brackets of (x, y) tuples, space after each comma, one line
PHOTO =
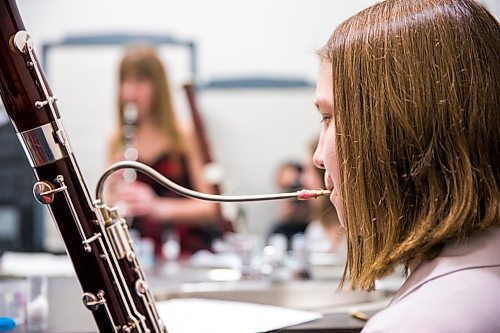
[(162, 143), (409, 94)]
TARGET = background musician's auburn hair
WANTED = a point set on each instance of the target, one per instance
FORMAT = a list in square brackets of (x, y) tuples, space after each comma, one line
[(142, 61), (416, 104)]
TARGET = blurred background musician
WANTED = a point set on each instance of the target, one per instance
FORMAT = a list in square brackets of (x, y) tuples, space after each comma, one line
[(294, 215), (170, 148)]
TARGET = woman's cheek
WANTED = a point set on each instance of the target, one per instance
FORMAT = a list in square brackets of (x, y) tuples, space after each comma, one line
[(332, 167)]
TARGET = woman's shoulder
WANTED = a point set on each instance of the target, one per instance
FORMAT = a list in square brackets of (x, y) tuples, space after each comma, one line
[(191, 145), (461, 301), (187, 129)]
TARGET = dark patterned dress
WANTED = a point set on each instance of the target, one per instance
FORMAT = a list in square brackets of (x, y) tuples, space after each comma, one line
[(192, 237)]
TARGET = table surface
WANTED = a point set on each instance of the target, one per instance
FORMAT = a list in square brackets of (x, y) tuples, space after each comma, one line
[(330, 323), (67, 314)]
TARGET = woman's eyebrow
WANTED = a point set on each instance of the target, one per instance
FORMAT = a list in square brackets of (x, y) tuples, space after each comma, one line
[(322, 105)]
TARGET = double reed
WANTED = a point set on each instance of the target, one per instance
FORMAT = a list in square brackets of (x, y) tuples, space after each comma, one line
[(97, 240)]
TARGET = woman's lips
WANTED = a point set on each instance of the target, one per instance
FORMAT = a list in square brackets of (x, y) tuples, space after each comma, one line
[(328, 182)]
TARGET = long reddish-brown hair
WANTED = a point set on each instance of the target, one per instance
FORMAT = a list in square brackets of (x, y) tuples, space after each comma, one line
[(143, 61), (416, 103)]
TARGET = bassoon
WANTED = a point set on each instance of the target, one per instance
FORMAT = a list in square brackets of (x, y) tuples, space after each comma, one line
[(96, 237), (206, 152), (114, 286)]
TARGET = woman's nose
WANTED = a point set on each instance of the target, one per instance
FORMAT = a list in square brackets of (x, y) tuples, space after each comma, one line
[(127, 91), (318, 157)]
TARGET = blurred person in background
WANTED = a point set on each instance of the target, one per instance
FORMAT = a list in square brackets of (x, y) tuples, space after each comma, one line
[(294, 215), (171, 148)]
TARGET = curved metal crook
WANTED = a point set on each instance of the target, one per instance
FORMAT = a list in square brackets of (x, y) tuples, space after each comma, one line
[(155, 175)]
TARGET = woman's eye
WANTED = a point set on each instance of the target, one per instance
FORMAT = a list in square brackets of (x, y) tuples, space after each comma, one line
[(325, 119)]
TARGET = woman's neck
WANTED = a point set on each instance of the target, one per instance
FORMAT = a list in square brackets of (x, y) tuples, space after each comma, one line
[(150, 141), (147, 122)]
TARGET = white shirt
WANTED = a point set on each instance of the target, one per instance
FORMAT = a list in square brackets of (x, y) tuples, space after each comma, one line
[(459, 291)]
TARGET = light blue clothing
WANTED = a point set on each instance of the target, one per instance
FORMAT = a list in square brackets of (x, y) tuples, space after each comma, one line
[(459, 291)]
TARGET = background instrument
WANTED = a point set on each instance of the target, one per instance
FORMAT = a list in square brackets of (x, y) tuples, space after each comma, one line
[(130, 153), (206, 153)]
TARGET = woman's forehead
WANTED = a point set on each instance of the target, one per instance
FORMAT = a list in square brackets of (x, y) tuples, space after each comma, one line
[(324, 92)]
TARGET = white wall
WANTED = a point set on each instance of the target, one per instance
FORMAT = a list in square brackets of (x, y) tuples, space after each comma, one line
[(252, 130), (234, 36)]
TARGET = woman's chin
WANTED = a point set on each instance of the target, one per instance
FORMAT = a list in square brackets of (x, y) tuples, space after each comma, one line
[(337, 203)]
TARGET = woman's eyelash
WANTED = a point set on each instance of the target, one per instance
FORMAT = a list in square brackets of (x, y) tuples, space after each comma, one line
[(325, 119)]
